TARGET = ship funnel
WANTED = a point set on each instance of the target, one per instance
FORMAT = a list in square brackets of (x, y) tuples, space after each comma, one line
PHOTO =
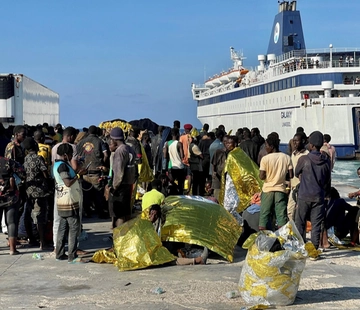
[(327, 86), (287, 33), (261, 59)]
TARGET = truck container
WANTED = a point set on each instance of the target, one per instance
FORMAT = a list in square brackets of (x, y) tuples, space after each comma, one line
[(24, 101)]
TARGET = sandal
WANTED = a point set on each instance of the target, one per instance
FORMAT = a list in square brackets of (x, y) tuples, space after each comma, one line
[(14, 252)]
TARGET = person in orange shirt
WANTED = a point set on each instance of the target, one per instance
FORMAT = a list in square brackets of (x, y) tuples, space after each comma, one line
[(186, 140)]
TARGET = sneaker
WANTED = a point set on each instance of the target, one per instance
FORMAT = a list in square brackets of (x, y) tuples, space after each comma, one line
[(205, 255), (315, 258)]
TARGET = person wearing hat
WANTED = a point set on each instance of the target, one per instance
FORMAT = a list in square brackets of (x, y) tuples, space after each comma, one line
[(314, 172), (124, 173)]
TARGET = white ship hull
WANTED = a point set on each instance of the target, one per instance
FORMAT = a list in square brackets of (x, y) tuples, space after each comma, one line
[(313, 89)]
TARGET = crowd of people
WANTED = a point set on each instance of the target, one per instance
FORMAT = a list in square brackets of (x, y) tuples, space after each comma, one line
[(51, 177)]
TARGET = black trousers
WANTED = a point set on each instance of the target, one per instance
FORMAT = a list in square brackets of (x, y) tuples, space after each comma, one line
[(198, 183), (178, 175), (315, 211)]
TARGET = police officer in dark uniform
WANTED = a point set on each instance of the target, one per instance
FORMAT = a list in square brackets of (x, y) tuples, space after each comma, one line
[(94, 152)]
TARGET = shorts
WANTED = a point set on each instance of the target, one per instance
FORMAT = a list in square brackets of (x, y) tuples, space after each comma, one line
[(188, 170), (120, 201)]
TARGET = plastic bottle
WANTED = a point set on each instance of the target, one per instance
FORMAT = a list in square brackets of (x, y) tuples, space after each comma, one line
[(232, 294), (37, 256), (157, 291)]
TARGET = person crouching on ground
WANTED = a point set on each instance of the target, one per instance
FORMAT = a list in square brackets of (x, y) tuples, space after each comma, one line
[(67, 200), (155, 217), (153, 197)]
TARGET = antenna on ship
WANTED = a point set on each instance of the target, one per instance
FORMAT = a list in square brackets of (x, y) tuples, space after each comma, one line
[(237, 58)]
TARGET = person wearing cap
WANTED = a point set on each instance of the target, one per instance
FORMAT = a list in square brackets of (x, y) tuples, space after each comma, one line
[(95, 154), (186, 140), (124, 174), (314, 172)]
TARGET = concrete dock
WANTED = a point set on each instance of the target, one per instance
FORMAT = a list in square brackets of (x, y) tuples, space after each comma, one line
[(26, 283)]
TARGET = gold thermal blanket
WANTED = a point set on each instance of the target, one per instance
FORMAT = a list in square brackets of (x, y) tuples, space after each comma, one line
[(145, 172), (136, 246), (273, 278), (201, 222), (241, 179)]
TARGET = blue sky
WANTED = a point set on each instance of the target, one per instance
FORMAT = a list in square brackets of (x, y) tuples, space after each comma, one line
[(136, 59)]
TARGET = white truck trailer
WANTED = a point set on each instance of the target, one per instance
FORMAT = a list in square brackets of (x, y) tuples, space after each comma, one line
[(24, 101)]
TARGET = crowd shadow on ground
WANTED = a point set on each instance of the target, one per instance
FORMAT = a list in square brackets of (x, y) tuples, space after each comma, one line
[(313, 296)]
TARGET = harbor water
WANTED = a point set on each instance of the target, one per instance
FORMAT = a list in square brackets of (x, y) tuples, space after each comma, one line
[(344, 172)]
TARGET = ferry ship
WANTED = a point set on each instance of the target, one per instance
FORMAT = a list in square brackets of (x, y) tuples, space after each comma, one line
[(291, 87)]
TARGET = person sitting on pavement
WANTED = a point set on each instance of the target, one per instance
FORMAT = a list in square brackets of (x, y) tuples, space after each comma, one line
[(343, 217), (155, 217), (355, 236), (251, 218)]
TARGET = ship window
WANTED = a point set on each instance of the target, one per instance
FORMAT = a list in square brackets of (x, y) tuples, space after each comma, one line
[(288, 83), (291, 21), (276, 86), (284, 84)]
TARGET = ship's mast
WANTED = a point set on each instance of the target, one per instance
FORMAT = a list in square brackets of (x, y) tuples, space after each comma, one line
[(237, 58)]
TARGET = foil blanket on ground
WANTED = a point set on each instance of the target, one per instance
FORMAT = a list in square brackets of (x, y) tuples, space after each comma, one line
[(244, 174), (188, 219), (136, 246), (199, 221)]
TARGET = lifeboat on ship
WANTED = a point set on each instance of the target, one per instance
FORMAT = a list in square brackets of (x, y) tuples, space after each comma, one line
[(209, 84), (234, 75), (224, 78), (216, 81)]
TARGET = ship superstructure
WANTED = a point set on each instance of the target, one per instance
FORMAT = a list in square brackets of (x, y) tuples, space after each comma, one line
[(292, 86)]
